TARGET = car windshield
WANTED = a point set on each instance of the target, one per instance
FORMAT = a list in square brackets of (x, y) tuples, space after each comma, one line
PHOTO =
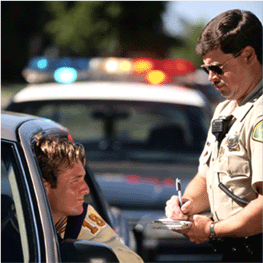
[(125, 130)]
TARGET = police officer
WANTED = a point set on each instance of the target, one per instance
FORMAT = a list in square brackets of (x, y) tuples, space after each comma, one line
[(229, 178)]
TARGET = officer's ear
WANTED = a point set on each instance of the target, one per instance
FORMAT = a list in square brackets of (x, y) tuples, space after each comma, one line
[(47, 186), (249, 55)]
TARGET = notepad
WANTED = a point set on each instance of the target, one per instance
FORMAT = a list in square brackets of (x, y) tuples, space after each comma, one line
[(169, 224)]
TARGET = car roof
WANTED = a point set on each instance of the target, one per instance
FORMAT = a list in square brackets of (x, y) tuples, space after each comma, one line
[(11, 121), (93, 90)]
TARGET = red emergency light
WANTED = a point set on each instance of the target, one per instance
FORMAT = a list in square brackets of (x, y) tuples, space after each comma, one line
[(177, 67)]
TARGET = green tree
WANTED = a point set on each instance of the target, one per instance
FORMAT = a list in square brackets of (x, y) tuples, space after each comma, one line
[(108, 27), (187, 51)]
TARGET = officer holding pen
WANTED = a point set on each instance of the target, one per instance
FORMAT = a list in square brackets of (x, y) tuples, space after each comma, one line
[(230, 174)]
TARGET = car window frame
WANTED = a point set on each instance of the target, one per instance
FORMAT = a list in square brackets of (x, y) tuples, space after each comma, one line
[(26, 132), (30, 217)]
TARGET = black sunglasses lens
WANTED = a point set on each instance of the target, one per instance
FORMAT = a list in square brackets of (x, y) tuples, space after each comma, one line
[(216, 69)]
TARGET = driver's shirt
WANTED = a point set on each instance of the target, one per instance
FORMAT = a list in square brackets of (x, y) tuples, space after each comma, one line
[(237, 162), (94, 228)]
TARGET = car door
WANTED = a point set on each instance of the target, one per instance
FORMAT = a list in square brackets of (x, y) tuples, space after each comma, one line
[(22, 233)]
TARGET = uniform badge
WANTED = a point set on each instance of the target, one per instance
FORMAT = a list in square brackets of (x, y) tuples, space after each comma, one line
[(232, 141), (258, 132)]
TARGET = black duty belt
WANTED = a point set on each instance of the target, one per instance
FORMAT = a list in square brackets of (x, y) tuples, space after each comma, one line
[(245, 249)]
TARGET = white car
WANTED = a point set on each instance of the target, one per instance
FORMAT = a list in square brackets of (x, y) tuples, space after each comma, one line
[(138, 138)]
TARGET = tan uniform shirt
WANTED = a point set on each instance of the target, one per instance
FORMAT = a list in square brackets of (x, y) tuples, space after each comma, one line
[(238, 162), (94, 228)]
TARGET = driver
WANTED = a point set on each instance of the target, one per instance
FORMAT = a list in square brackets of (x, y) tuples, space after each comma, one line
[(62, 165)]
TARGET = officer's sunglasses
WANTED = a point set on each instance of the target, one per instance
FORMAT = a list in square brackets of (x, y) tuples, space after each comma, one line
[(217, 68)]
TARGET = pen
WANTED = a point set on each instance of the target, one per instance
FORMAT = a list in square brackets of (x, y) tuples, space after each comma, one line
[(178, 189)]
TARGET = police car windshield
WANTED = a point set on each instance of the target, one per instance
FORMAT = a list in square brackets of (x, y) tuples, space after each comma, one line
[(129, 130)]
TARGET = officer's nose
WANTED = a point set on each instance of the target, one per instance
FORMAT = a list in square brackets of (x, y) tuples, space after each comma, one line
[(212, 76)]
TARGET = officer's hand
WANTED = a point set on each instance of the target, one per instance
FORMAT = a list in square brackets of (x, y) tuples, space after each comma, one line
[(199, 231), (175, 212)]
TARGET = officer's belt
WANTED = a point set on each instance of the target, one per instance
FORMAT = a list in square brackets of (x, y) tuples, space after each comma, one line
[(251, 245)]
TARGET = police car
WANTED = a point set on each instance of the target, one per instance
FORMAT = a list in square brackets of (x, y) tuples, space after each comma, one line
[(27, 229), (138, 70), (139, 137)]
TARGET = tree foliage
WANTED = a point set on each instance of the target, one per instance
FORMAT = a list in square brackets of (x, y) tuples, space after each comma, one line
[(187, 51), (105, 26), (70, 25), (87, 28)]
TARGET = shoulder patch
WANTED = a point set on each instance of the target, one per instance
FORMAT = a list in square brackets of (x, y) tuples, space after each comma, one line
[(258, 132)]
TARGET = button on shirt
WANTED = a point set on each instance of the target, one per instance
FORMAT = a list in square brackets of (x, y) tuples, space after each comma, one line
[(238, 161)]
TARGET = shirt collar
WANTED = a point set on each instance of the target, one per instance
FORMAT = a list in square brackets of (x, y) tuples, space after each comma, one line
[(241, 110), (238, 111), (254, 94)]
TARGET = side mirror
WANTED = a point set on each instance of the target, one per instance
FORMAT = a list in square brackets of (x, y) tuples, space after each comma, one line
[(86, 251)]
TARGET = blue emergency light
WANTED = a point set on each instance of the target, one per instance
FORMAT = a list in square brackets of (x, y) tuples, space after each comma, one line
[(42, 63), (38, 63), (65, 75)]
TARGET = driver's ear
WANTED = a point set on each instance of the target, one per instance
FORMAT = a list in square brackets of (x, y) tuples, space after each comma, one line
[(47, 186)]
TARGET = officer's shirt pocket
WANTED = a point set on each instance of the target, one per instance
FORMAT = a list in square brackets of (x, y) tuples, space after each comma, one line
[(234, 172), (238, 166), (233, 162)]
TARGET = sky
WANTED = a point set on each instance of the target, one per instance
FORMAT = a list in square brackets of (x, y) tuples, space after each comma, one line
[(206, 10)]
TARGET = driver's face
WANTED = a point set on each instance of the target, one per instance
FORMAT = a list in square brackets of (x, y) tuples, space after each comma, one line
[(67, 198)]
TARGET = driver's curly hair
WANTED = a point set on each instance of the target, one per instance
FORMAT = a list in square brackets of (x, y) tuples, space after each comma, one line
[(56, 154)]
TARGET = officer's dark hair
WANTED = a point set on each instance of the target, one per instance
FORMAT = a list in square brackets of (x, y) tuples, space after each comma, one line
[(55, 155), (231, 31)]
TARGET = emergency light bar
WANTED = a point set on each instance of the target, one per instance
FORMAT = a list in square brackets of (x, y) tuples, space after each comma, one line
[(67, 70), (65, 75), (142, 65)]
